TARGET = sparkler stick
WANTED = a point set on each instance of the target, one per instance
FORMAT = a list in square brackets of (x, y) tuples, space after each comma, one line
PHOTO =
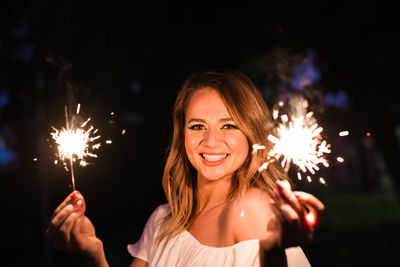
[(71, 163), (74, 142)]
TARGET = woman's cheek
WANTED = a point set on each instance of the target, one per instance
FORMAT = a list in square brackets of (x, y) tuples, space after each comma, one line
[(191, 145), (190, 141), (238, 141)]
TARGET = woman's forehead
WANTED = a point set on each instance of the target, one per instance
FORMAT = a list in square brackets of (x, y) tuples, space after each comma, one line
[(207, 102)]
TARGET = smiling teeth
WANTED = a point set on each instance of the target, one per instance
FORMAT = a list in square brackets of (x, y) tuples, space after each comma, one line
[(214, 157)]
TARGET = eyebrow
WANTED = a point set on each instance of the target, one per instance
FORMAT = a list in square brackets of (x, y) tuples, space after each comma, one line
[(201, 120)]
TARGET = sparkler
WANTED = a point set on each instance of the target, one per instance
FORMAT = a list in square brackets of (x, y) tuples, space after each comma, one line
[(75, 142), (297, 140)]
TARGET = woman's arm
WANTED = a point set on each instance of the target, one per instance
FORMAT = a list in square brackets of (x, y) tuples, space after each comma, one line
[(253, 218), (290, 210), (71, 231), (278, 222)]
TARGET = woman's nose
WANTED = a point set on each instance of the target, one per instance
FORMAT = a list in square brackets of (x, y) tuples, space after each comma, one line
[(212, 137)]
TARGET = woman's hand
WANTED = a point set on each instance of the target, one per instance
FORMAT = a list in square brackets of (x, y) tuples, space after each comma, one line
[(298, 215), (70, 230)]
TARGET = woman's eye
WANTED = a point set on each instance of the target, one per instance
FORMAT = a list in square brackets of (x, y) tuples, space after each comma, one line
[(196, 127), (229, 126)]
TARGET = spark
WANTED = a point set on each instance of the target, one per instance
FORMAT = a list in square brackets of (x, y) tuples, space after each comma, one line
[(300, 144), (74, 143), (108, 141), (123, 132), (275, 113), (340, 159), (83, 163), (96, 146), (257, 147), (344, 133), (263, 167), (297, 140), (299, 176), (35, 159)]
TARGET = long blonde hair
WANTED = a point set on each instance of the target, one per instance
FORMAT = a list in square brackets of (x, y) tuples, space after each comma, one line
[(249, 111)]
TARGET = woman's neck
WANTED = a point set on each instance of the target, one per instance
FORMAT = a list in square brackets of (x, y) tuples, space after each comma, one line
[(211, 194)]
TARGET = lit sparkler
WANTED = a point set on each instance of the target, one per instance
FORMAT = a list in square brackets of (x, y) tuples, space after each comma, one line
[(297, 140), (75, 143)]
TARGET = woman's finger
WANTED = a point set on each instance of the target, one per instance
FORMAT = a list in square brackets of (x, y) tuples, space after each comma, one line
[(315, 206), (278, 213), (71, 198), (289, 218), (60, 226), (61, 222), (285, 191), (310, 201), (293, 230), (61, 216), (69, 222)]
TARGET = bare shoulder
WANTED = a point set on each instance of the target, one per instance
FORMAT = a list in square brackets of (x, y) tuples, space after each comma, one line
[(253, 199), (255, 195), (250, 214)]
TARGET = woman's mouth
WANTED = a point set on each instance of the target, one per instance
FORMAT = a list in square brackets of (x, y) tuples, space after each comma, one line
[(214, 159)]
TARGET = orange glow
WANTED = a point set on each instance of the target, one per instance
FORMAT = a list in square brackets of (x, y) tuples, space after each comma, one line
[(310, 218)]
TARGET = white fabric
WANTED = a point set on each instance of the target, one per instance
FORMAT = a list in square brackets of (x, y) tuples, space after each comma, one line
[(184, 250)]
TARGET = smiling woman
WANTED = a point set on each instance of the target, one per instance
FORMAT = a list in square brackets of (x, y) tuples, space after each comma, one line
[(214, 145), (221, 211)]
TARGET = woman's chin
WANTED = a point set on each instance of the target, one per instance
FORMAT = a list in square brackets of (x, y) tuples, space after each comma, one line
[(213, 177)]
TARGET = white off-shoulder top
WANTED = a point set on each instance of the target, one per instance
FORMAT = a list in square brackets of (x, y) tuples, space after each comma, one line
[(184, 250)]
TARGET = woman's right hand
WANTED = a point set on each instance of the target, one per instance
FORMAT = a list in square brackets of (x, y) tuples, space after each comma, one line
[(295, 228), (70, 230)]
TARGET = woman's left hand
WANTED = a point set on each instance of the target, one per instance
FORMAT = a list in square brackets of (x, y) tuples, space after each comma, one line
[(298, 213)]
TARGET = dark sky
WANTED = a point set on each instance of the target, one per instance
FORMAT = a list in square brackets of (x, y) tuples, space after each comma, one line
[(131, 57)]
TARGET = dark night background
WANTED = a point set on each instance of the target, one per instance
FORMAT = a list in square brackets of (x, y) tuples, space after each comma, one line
[(131, 57)]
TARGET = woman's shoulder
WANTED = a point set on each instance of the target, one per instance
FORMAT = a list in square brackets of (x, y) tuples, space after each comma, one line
[(252, 200), (250, 214), (162, 208), (255, 195), (159, 213)]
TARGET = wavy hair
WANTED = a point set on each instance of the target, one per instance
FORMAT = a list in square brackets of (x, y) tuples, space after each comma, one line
[(250, 113)]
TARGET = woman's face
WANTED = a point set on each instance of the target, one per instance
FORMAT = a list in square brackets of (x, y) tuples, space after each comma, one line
[(214, 145)]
